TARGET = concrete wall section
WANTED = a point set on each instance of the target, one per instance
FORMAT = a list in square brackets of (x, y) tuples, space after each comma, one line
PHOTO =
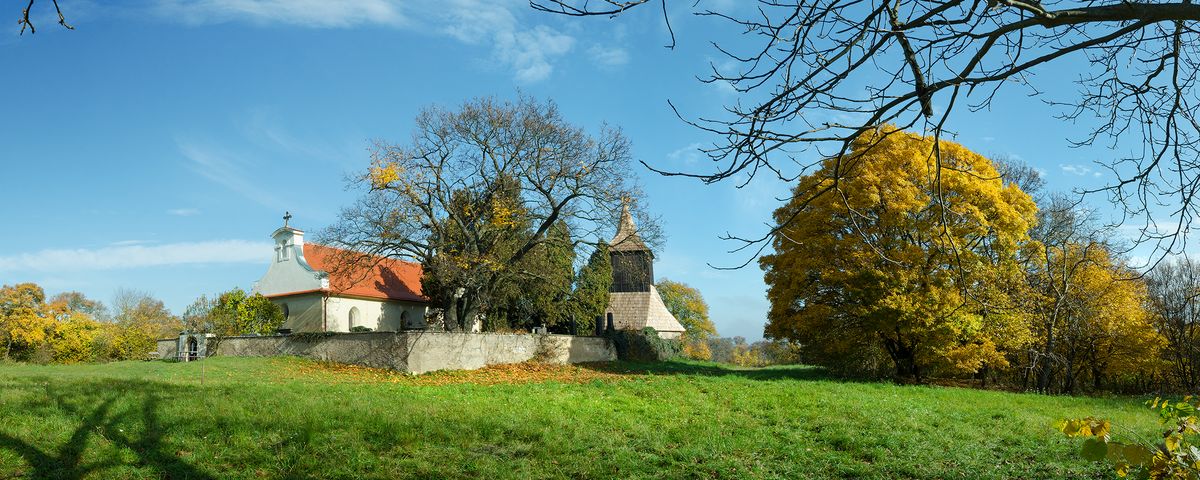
[(418, 352), (168, 348), (464, 351), (379, 350)]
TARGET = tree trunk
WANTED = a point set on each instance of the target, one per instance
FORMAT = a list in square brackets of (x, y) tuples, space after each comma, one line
[(904, 357), (1044, 372), (450, 314), (467, 314)]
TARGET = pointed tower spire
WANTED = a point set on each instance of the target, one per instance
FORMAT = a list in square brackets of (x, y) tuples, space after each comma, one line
[(627, 238)]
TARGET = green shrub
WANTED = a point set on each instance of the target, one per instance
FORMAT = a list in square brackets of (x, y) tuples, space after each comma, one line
[(645, 346)]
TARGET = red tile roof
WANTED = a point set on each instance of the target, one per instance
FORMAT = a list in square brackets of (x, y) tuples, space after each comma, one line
[(387, 279)]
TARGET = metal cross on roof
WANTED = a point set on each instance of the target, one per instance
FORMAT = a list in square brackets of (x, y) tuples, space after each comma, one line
[(286, 216)]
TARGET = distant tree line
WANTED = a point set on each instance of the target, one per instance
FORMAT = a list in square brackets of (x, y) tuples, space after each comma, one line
[(700, 340), (71, 328)]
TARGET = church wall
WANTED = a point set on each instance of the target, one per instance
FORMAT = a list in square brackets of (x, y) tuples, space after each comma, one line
[(401, 315), (374, 314), (338, 313), (303, 311)]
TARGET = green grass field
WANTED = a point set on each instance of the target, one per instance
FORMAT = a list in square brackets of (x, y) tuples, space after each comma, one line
[(292, 418)]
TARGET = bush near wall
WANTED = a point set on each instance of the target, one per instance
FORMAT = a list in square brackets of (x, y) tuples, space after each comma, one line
[(644, 345)]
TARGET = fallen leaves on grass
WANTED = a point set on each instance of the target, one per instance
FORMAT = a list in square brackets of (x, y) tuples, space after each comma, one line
[(517, 373)]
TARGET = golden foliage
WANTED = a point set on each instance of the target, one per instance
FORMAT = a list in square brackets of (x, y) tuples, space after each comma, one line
[(383, 174), (688, 306), (74, 338), (697, 349), (886, 248)]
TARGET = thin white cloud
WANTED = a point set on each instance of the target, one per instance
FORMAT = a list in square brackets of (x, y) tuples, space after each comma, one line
[(1075, 169), (124, 243), (608, 56), (183, 212), (137, 256), (528, 50), (226, 170), (304, 13), (688, 155)]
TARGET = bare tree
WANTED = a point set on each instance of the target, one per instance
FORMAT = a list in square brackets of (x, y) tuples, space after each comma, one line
[(817, 74), (1066, 238), (1175, 302), (479, 189)]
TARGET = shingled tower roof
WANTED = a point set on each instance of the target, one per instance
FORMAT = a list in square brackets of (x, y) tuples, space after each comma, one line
[(627, 238)]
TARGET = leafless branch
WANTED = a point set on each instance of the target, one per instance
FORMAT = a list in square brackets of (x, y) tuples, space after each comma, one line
[(816, 75), (24, 21)]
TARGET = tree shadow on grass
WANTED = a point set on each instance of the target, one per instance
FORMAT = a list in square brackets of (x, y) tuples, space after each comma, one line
[(785, 372), (98, 406)]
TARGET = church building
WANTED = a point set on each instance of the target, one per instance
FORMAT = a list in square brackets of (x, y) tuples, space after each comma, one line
[(317, 297), (633, 301)]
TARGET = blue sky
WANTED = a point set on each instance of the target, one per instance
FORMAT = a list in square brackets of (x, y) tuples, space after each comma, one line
[(156, 146)]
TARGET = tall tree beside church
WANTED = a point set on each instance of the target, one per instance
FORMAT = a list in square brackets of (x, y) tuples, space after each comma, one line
[(457, 199), (592, 285), (886, 268), (539, 292)]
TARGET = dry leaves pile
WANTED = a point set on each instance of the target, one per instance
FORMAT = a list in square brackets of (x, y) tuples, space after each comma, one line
[(518, 373)]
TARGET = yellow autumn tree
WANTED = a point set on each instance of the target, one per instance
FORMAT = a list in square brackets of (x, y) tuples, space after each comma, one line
[(141, 320), (74, 338), (24, 322), (891, 255), (1091, 323), (688, 306)]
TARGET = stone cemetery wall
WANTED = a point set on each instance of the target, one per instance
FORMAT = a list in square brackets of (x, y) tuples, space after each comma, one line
[(416, 352)]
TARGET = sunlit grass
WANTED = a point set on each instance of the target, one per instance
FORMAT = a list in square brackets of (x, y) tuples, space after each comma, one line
[(287, 418)]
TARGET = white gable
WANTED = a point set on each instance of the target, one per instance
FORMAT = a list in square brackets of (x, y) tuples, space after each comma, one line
[(289, 272)]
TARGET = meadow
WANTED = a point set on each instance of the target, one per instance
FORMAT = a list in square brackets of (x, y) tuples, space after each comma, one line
[(293, 418)]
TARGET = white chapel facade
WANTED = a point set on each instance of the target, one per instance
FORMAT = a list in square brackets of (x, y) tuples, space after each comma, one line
[(316, 297)]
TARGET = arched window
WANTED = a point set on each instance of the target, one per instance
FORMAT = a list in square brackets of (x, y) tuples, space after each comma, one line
[(355, 317), (404, 320), (283, 306)]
